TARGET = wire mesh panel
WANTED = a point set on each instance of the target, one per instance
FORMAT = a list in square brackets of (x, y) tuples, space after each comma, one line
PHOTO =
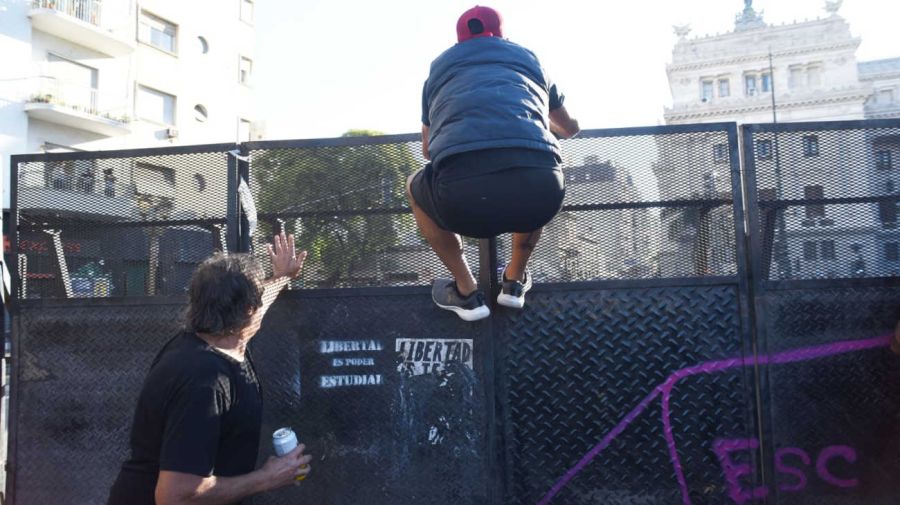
[(826, 198), (642, 203), (345, 200), (131, 223)]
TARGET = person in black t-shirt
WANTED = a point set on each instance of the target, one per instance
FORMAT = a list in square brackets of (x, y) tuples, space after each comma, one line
[(197, 423)]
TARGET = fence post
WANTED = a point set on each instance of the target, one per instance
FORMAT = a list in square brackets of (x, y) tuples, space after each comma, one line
[(233, 212), (487, 268), (243, 173)]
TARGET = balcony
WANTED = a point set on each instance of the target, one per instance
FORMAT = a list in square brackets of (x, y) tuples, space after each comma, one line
[(79, 21), (74, 106), (57, 187)]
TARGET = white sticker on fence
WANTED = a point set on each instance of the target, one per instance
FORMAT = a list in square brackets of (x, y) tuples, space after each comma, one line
[(431, 355), (248, 205)]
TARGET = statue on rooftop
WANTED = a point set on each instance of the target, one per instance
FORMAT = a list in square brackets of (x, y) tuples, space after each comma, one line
[(748, 19), (682, 31), (833, 6)]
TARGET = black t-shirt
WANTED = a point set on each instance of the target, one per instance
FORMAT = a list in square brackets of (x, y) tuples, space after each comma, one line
[(199, 412)]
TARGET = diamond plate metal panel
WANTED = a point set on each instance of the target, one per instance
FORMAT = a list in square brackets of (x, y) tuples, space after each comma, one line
[(409, 437), (418, 438), (833, 419), (80, 370), (574, 366)]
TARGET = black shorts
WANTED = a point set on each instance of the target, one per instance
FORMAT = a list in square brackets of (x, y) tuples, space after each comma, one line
[(482, 194)]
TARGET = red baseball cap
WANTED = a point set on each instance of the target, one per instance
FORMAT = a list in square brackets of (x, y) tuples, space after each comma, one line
[(489, 19)]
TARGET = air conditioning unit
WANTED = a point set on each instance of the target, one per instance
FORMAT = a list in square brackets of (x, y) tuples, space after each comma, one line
[(171, 133)]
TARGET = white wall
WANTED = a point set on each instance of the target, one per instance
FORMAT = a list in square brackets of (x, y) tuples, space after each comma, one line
[(15, 42), (209, 79)]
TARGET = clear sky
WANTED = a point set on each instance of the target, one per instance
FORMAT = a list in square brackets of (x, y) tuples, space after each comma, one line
[(325, 66)]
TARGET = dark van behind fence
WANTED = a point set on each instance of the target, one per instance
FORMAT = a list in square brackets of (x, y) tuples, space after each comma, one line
[(709, 325)]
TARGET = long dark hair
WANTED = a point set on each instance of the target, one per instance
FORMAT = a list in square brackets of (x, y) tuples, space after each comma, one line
[(224, 293)]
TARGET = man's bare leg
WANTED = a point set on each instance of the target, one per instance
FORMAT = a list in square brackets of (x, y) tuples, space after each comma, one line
[(522, 246), (447, 245)]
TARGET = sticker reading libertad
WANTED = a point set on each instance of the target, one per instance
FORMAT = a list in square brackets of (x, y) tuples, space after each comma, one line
[(430, 355)]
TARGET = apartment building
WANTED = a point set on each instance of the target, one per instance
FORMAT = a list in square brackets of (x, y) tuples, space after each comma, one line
[(99, 75)]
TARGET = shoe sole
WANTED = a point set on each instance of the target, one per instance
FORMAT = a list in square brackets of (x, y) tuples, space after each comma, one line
[(514, 302), (467, 314), (511, 301)]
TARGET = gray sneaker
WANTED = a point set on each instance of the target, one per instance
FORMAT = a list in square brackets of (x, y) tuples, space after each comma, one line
[(512, 294), (447, 297)]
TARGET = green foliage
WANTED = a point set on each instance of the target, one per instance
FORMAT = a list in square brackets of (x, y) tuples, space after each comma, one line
[(325, 192)]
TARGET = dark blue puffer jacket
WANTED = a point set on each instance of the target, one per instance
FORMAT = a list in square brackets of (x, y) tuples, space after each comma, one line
[(486, 93)]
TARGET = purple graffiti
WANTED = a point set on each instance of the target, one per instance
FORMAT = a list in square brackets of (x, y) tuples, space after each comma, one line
[(781, 467), (734, 471), (829, 453), (665, 391)]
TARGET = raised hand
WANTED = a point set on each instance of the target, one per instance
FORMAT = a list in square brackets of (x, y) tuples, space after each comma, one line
[(286, 262)]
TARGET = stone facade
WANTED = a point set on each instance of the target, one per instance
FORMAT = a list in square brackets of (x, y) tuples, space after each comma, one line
[(805, 71)]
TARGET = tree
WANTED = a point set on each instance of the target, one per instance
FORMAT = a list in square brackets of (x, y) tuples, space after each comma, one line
[(337, 200)]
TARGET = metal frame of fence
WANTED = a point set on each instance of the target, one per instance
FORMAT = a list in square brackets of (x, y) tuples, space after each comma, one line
[(750, 282), (763, 222)]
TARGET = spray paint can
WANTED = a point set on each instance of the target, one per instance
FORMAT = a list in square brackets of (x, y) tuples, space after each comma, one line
[(284, 440)]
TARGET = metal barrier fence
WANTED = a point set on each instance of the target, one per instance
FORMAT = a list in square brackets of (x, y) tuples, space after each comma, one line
[(668, 353), (822, 213)]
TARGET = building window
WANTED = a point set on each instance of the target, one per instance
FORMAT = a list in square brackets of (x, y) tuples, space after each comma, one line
[(764, 149), (244, 130), (814, 210), (724, 88), (889, 186), (158, 32), (199, 183), (156, 106), (200, 113), (154, 181), (245, 70), (204, 45), (810, 250), (706, 90), (720, 153), (814, 76), (810, 145), (887, 213), (883, 160), (795, 78), (247, 11), (891, 251), (73, 84), (71, 175), (766, 82), (750, 85), (885, 97), (826, 248)]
